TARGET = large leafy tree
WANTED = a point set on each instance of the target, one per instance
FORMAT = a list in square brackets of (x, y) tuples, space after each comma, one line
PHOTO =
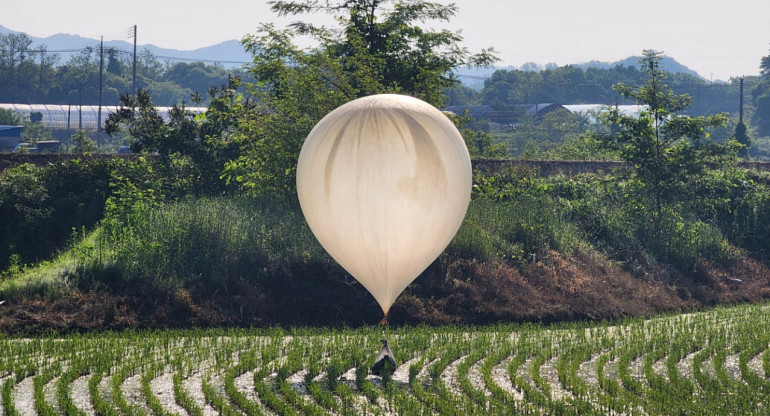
[(191, 146), (669, 152), (378, 47), (22, 70)]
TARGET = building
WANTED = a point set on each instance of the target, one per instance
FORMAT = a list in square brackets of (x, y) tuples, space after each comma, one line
[(10, 136), (505, 116), (514, 113), (592, 110), (65, 120)]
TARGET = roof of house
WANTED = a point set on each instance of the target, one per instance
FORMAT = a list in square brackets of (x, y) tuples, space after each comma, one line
[(11, 131)]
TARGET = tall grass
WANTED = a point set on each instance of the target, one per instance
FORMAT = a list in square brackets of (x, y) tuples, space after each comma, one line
[(204, 242), (618, 220), (515, 231), (514, 218)]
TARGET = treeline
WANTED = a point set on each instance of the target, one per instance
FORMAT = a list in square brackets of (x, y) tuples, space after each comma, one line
[(573, 85), (39, 76)]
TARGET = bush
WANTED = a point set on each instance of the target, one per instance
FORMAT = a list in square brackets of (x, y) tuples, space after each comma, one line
[(41, 206), (750, 224), (515, 231), (684, 243)]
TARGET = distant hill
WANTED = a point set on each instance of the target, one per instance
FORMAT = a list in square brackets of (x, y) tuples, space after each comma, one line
[(229, 53), (474, 77), (667, 63)]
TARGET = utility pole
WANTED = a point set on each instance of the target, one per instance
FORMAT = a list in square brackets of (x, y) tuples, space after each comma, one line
[(80, 106), (40, 81), (740, 111), (133, 86), (69, 136), (101, 69)]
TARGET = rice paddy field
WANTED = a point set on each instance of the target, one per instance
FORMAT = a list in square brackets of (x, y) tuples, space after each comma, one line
[(712, 362)]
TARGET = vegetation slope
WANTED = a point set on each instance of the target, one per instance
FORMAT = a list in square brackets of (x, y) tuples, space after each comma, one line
[(208, 232)]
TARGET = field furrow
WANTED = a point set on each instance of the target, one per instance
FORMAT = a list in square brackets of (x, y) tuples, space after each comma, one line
[(163, 389), (80, 395), (24, 397)]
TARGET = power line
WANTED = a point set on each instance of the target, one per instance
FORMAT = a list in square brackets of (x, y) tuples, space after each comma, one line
[(693, 84), (704, 84), (120, 51)]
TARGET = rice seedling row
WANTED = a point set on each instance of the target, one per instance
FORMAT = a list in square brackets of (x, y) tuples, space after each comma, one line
[(715, 362)]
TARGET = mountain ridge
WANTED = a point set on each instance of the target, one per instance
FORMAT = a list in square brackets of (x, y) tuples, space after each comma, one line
[(231, 54), (475, 77)]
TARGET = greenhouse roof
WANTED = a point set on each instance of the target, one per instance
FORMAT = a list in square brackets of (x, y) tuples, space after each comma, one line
[(73, 117), (591, 110)]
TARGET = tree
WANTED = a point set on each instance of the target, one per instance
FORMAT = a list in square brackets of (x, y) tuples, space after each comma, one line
[(113, 62), (542, 135), (762, 114), (742, 137), (179, 136), (376, 49), (81, 143), (35, 131), (462, 95), (196, 76), (762, 98), (385, 43), (668, 151), (764, 66), (167, 93), (14, 63), (191, 146), (478, 140), (9, 118)]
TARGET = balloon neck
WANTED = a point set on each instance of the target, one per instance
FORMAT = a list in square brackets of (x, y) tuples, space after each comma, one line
[(383, 324)]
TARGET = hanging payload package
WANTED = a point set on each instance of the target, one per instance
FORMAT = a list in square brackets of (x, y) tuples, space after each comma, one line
[(384, 358)]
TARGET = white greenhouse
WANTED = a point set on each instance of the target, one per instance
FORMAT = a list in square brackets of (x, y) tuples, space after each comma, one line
[(75, 117)]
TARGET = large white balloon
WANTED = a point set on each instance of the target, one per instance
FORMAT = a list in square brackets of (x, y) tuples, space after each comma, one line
[(384, 182)]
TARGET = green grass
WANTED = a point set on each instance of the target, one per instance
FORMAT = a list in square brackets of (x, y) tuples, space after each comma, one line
[(205, 243), (515, 218), (453, 370), (210, 243)]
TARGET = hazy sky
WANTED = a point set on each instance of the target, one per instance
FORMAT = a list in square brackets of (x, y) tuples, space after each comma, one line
[(716, 38)]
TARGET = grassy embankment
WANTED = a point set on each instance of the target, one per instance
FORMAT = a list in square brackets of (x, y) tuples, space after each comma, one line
[(531, 248)]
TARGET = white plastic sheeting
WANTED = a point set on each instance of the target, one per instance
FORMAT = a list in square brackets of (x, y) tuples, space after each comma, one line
[(592, 110), (384, 183), (74, 117)]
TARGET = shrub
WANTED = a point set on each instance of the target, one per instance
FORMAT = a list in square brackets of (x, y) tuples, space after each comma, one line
[(40, 206), (514, 231), (749, 227)]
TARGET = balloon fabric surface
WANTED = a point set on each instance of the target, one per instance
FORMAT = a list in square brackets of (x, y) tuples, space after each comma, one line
[(384, 183)]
